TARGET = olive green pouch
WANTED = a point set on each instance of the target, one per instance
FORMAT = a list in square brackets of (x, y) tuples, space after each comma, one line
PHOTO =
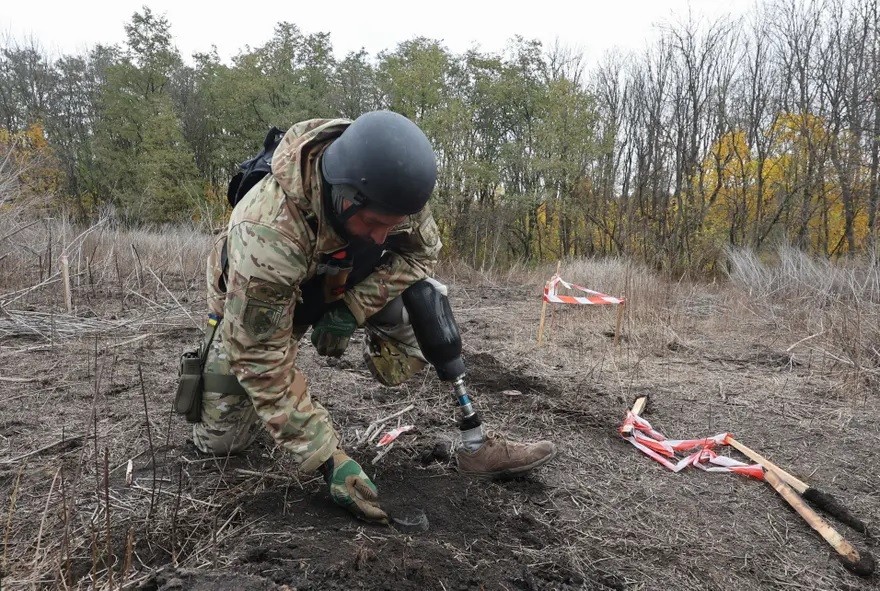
[(190, 387)]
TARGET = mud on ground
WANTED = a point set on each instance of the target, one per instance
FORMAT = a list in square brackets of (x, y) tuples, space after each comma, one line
[(600, 516)]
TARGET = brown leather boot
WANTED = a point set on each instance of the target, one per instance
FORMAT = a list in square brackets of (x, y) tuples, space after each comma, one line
[(501, 458)]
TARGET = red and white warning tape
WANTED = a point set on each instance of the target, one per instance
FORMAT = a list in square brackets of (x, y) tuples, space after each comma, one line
[(656, 446), (592, 297), (394, 434)]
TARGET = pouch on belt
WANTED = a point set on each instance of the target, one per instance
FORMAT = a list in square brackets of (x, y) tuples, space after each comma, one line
[(191, 383)]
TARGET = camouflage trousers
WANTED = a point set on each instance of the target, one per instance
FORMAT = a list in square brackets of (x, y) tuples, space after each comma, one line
[(229, 421)]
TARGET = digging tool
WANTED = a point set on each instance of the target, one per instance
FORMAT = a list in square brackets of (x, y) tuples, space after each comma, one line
[(817, 498), (637, 409), (860, 563)]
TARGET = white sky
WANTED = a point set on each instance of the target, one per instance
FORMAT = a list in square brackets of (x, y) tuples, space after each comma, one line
[(592, 27)]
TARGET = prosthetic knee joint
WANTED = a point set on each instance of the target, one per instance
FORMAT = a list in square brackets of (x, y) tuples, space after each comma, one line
[(440, 341)]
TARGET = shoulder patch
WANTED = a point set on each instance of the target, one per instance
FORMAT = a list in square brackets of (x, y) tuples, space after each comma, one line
[(265, 307)]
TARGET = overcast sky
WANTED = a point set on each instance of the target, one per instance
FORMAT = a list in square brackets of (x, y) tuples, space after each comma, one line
[(591, 27)]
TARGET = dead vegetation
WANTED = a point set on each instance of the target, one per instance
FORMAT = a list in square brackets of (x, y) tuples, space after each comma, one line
[(99, 488)]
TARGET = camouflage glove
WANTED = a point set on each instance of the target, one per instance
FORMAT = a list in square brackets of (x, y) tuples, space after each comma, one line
[(352, 489), (333, 331)]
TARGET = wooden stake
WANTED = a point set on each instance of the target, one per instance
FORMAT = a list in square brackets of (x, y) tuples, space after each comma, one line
[(544, 310), (65, 274), (861, 564), (799, 485), (618, 322), (637, 409), (129, 551), (817, 498)]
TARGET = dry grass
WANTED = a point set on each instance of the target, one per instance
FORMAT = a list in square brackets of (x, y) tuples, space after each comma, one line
[(829, 311)]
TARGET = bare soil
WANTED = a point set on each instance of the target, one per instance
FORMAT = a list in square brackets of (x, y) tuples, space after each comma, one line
[(600, 516)]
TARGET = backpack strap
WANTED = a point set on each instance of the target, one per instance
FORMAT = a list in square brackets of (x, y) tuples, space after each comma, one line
[(224, 265)]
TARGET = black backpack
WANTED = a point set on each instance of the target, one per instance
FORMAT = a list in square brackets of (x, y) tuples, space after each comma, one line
[(252, 171)]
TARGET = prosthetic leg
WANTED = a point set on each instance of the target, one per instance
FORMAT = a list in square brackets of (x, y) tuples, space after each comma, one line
[(440, 341), (434, 327)]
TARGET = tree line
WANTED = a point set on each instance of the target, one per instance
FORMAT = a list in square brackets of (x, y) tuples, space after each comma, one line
[(730, 133)]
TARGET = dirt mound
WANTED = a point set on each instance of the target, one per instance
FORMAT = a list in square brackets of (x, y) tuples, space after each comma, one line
[(476, 538)]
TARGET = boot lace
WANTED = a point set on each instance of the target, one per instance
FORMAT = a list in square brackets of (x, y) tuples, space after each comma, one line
[(498, 439)]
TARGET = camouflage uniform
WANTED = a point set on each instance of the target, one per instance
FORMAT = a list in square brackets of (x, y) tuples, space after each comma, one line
[(272, 251)]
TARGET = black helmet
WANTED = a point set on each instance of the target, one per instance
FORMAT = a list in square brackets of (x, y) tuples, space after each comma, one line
[(387, 159)]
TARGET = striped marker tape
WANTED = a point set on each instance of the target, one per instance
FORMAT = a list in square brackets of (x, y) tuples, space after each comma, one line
[(665, 451), (394, 434), (592, 297)]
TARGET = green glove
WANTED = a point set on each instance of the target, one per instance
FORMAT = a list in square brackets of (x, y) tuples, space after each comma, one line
[(333, 331), (352, 489)]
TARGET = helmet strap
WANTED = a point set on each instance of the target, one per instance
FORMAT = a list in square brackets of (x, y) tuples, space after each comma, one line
[(339, 195)]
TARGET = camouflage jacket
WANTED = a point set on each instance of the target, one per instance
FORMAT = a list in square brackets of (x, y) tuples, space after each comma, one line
[(272, 251)]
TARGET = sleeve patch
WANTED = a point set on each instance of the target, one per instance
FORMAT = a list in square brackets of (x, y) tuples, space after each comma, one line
[(265, 307)]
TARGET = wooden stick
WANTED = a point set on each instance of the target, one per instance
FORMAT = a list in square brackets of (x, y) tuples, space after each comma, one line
[(860, 564), (541, 324), (799, 485), (618, 322), (544, 310), (637, 409), (382, 453), (65, 274), (817, 498), (166, 492), (72, 441), (377, 425)]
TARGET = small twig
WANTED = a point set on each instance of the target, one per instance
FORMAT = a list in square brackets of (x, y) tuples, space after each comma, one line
[(94, 551), (395, 415), (12, 500), (804, 340), (138, 268), (270, 476), (23, 292), (19, 380), (188, 498), (43, 519), (383, 453), (107, 545), (65, 274), (228, 521), (129, 551), (19, 229), (174, 515), (373, 431), (150, 441), (168, 291), (128, 342), (95, 419), (64, 554), (41, 450), (376, 425)]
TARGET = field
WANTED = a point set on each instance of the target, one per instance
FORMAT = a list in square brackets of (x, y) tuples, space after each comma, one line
[(782, 354)]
